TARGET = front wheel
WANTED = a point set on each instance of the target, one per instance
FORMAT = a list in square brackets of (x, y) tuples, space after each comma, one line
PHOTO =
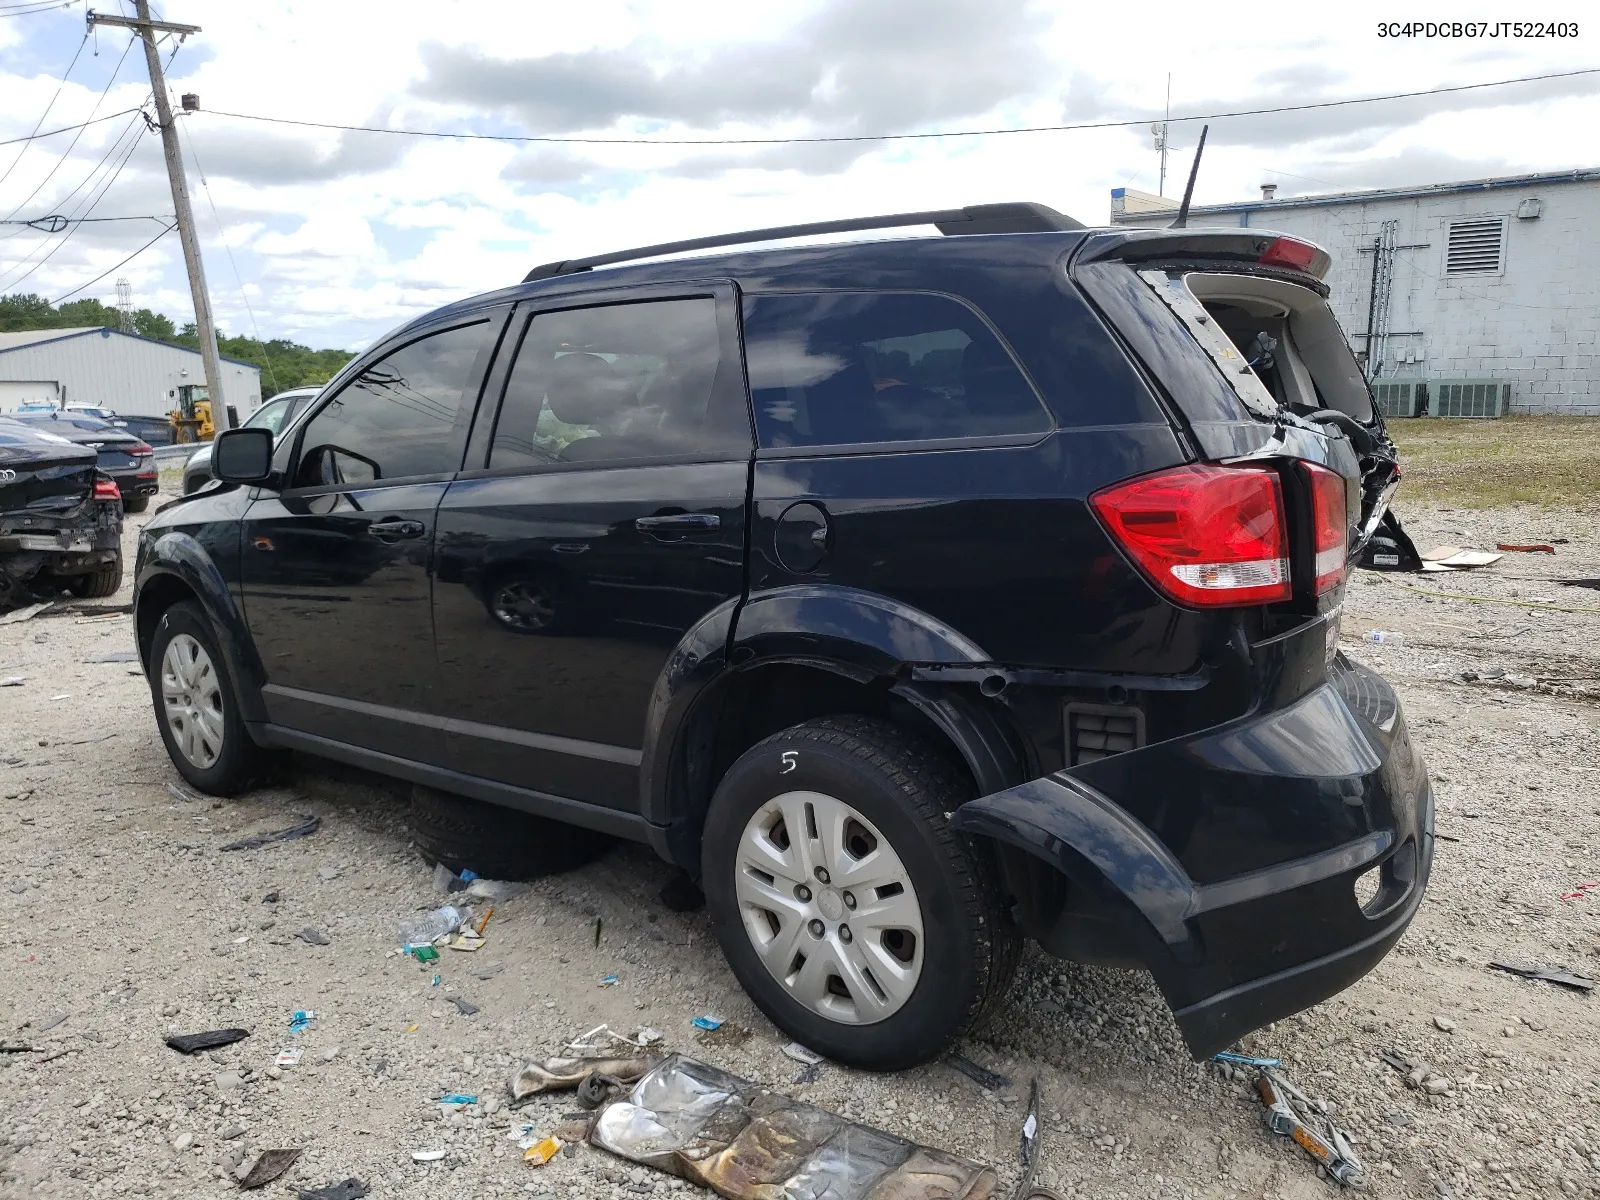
[(196, 706), (854, 917)]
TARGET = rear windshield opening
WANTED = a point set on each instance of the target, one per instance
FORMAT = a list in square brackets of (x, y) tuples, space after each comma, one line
[(1292, 340)]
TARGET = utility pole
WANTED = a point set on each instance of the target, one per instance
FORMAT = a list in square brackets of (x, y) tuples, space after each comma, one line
[(204, 325), (1161, 138)]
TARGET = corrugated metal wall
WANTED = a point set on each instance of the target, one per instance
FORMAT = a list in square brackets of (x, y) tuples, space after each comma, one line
[(126, 373)]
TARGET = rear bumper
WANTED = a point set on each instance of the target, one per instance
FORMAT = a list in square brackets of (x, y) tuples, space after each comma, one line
[(1126, 860), (137, 483)]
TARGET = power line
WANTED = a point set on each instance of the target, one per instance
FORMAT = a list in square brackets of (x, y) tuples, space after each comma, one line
[(55, 223), (28, 11), (38, 137), (64, 77), (120, 265), (897, 137)]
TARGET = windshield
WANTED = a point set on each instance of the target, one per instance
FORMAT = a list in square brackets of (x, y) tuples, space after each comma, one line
[(268, 416)]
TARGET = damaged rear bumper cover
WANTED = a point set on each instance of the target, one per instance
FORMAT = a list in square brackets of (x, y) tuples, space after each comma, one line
[(1136, 859)]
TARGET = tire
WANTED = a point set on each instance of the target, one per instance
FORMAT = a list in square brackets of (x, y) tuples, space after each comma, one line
[(194, 483), (135, 504), (497, 842), (941, 979), (213, 714), (104, 580)]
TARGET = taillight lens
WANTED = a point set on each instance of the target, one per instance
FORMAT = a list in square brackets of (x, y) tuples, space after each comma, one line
[(1288, 252), (141, 448), (1207, 536), (1329, 525), (106, 489)]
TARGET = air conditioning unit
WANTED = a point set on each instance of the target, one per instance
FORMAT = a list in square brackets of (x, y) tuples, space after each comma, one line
[(1398, 397), (1469, 397)]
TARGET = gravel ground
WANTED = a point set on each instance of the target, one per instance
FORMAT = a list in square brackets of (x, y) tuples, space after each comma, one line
[(122, 921)]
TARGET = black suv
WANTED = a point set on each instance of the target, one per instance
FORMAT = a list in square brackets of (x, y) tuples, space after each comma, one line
[(916, 596)]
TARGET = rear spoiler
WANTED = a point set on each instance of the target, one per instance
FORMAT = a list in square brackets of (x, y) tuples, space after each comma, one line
[(1261, 249)]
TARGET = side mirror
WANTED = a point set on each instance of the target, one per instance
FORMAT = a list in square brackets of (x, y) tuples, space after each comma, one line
[(242, 455)]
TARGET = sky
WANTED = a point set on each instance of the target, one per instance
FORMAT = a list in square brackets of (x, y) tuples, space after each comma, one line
[(332, 238)]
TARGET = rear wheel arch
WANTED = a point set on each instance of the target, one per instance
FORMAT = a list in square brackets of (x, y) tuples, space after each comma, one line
[(740, 708)]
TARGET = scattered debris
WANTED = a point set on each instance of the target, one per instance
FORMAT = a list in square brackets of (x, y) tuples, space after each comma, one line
[(742, 1141), (270, 897), (1293, 1114), (598, 924), (458, 1099), (289, 1057), (465, 1007), (1582, 890), (308, 825), (189, 1043), (1530, 548), (428, 929), (427, 1155), (423, 954), (113, 656), (496, 889), (982, 1076), (1566, 979), (1583, 583), (301, 1019), (350, 1189), (565, 1074), (25, 614), (609, 981), (1028, 1146), (727, 1035), (542, 1151), (5, 1049), (800, 1054), (314, 937), (51, 1021), (13, 680), (268, 1165), (706, 1023), (1244, 1060), (1385, 637), (1454, 558)]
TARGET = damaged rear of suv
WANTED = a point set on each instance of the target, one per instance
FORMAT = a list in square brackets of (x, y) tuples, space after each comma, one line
[(60, 516), (915, 596)]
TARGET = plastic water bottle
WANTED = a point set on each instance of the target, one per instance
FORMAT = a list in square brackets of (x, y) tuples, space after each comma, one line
[(424, 931), (1386, 637)]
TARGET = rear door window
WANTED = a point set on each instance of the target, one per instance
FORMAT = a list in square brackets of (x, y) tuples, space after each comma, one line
[(874, 368)]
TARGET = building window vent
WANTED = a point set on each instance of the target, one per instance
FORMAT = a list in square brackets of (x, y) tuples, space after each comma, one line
[(1476, 247), (1096, 731)]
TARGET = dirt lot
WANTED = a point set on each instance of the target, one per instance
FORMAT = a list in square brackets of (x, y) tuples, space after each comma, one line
[(121, 920)]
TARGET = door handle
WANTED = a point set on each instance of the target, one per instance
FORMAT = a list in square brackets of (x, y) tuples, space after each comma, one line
[(670, 524), (396, 530)]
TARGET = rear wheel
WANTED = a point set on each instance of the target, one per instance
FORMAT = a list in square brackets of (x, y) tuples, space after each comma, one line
[(104, 580), (497, 842), (857, 921), (135, 504), (196, 706)]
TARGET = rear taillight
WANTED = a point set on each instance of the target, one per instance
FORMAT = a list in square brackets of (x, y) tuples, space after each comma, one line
[(1328, 525), (1288, 252), (1207, 536), (106, 489), (141, 448)]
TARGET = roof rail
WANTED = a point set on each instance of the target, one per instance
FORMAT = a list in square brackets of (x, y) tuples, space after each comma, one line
[(1023, 217)]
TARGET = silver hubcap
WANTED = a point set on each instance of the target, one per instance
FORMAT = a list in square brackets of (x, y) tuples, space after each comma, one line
[(192, 694), (829, 907)]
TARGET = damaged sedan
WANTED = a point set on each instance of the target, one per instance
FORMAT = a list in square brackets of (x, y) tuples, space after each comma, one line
[(60, 517), (916, 597)]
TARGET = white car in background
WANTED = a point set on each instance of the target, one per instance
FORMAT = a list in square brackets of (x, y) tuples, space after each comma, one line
[(277, 414)]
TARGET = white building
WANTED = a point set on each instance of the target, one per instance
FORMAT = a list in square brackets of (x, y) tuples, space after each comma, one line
[(122, 371), (1492, 280)]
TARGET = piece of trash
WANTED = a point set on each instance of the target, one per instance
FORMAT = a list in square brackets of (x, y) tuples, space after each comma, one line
[(1245, 1060), (1028, 1145), (1566, 979), (598, 923), (706, 1023), (496, 889), (268, 1165), (565, 1074), (178, 794), (308, 825), (1384, 637), (423, 954), (609, 981), (1582, 890), (645, 1037), (13, 680), (1449, 558), (800, 1054), (122, 656), (1530, 548), (412, 1028), (732, 1135), (981, 1076), (681, 894), (5, 1049), (465, 1007), (1293, 1114), (427, 1155), (270, 898), (429, 928), (301, 1019), (483, 921), (350, 1189), (189, 1043), (436, 980), (458, 1099), (314, 937), (542, 1151), (27, 613), (446, 881), (466, 942), (289, 1057), (51, 1021), (468, 875)]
